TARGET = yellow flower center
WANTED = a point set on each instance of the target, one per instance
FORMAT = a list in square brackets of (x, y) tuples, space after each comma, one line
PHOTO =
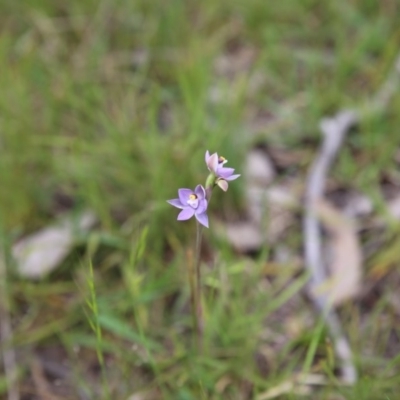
[(221, 159), (192, 197)]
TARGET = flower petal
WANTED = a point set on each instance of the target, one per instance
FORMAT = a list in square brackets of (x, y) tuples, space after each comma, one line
[(203, 204), (232, 177), (225, 172), (212, 163), (194, 203), (207, 156), (176, 203), (185, 214), (200, 192), (223, 184), (184, 195), (202, 218)]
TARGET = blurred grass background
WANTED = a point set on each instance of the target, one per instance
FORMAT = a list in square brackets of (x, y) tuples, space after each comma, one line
[(110, 106)]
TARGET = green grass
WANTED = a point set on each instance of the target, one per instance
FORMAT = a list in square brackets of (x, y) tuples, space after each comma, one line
[(110, 106)]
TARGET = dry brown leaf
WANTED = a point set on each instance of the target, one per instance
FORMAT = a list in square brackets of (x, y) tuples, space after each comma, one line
[(283, 388), (41, 252), (42, 385), (394, 207), (259, 169), (346, 265), (137, 396), (269, 208), (233, 63), (223, 383), (300, 385), (244, 236)]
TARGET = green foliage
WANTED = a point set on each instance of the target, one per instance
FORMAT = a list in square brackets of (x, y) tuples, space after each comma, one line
[(110, 106)]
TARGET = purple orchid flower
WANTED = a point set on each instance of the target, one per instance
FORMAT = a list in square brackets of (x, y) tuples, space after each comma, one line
[(192, 203), (223, 174)]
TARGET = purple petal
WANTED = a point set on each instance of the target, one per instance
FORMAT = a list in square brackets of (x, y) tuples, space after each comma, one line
[(232, 177), (202, 218), (194, 203), (184, 195), (225, 172), (207, 156), (212, 163), (200, 192), (185, 214), (176, 203), (203, 204)]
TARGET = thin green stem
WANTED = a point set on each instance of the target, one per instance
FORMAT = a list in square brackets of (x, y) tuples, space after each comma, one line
[(198, 291), (192, 284), (195, 276), (97, 329)]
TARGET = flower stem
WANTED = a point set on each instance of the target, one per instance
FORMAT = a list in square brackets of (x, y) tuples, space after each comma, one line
[(195, 277), (197, 298)]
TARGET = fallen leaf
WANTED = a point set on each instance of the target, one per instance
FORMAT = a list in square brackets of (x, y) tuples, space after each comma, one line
[(271, 209), (352, 204), (244, 236), (277, 391), (223, 383), (236, 62), (259, 168), (41, 252), (346, 265), (394, 207)]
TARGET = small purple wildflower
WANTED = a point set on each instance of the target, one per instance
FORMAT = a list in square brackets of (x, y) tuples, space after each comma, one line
[(192, 203), (223, 174)]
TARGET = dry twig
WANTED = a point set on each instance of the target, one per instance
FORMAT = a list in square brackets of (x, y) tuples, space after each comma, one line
[(334, 131), (43, 388)]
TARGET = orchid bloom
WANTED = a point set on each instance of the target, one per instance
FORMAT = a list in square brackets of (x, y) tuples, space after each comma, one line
[(192, 202), (223, 174)]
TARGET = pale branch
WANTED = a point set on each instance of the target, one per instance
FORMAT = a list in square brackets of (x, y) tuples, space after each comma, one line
[(334, 131)]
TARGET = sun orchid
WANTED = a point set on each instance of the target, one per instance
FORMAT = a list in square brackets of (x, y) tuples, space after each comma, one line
[(223, 174), (195, 203), (192, 202)]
